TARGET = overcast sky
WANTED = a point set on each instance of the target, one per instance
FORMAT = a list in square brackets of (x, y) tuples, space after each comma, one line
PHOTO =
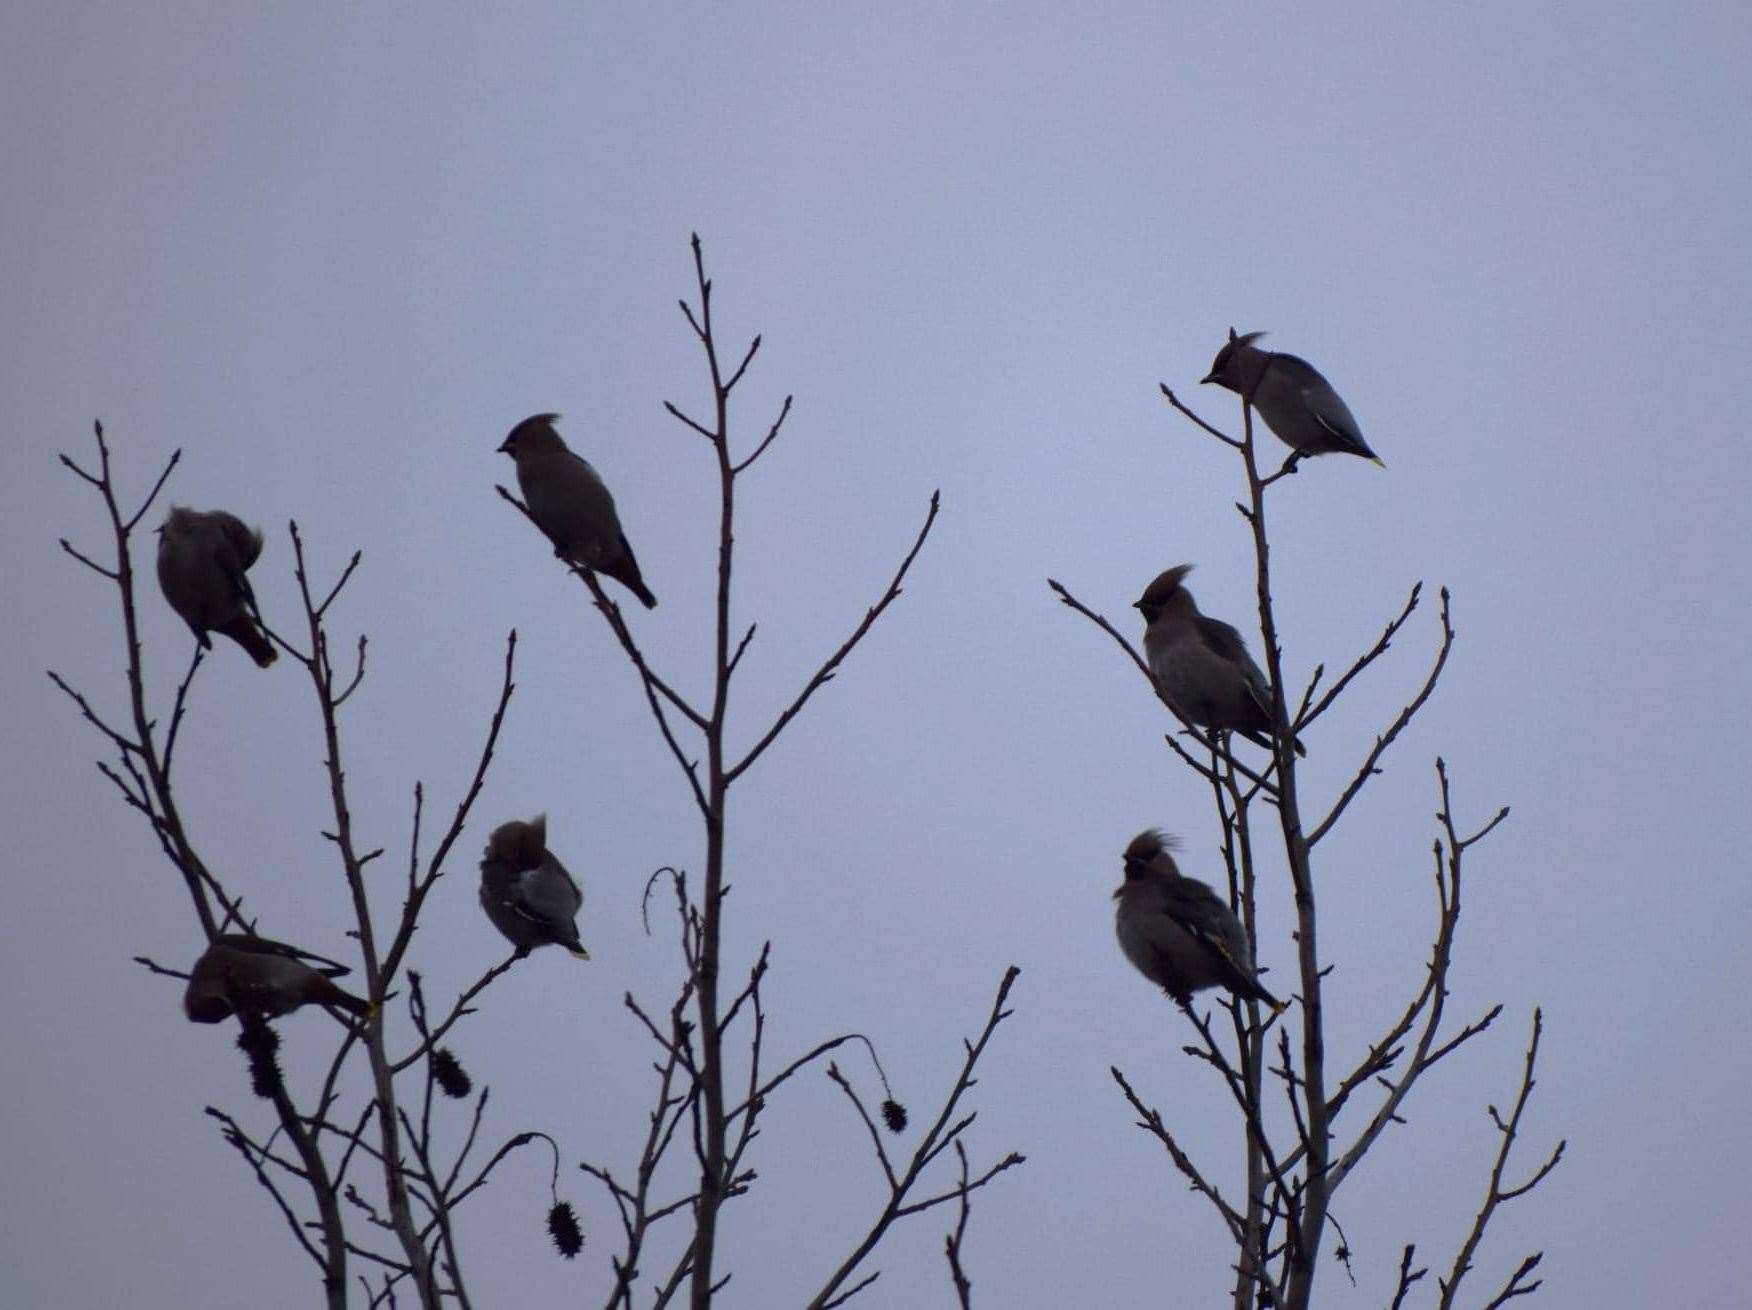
[(333, 253)]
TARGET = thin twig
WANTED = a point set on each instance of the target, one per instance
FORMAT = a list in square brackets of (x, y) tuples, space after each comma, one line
[(1496, 1193), (938, 1138), (825, 673)]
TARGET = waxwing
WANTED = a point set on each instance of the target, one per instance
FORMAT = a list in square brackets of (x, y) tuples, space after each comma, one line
[(255, 975), (1291, 396), (1201, 665), (526, 892), (569, 501), (1177, 931), (202, 560)]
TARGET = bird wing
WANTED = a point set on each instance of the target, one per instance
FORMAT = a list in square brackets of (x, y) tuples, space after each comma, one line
[(1205, 918), (1325, 404), (550, 897), (234, 547), (571, 503), (244, 541), (1223, 640), (268, 946)]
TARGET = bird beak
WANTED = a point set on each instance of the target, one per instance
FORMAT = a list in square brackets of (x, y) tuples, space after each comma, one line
[(505, 446), (1208, 377)]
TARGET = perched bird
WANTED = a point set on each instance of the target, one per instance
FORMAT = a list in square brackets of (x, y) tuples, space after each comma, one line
[(254, 975), (202, 560), (526, 892), (1201, 665), (1291, 396), (569, 501), (1178, 932)]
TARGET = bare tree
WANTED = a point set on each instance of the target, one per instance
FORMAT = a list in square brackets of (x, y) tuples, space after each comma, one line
[(369, 1174), (697, 1081), (1292, 1170), (330, 1139)]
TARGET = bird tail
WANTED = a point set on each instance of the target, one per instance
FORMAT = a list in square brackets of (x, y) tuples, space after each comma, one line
[(625, 571), (1377, 460), (1264, 742), (578, 952), (1258, 993), (332, 995), (246, 634)]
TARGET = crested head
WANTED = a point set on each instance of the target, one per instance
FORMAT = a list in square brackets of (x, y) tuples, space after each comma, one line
[(1158, 594), (519, 844), (1151, 851), (534, 435), (180, 519), (1226, 367), (1150, 843)]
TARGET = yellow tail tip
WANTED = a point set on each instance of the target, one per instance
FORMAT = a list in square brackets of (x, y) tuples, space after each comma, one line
[(579, 954), (1377, 461)]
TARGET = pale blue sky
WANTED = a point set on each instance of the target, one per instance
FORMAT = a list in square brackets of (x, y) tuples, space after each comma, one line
[(334, 255)]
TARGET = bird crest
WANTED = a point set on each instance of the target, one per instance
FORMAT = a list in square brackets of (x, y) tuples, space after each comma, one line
[(521, 845), (536, 431), (1166, 584), (1226, 356), (1147, 846)]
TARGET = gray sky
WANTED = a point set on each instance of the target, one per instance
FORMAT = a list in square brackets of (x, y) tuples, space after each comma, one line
[(334, 255)]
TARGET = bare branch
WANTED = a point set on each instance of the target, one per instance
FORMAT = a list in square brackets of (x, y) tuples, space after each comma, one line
[(941, 1134), (1150, 1120), (953, 1240), (346, 575), (1368, 769), (828, 668), (157, 486), (698, 427), (740, 647), (253, 1156), (772, 432), (1368, 657), (1496, 1193), (851, 1291), (86, 560), (1517, 1286), (179, 706), (834, 1073), (1218, 433), (742, 368), (121, 743), (435, 866), (457, 1011), (1407, 1276)]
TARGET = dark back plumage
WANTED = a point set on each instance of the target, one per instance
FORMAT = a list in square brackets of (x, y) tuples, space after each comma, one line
[(526, 892)]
